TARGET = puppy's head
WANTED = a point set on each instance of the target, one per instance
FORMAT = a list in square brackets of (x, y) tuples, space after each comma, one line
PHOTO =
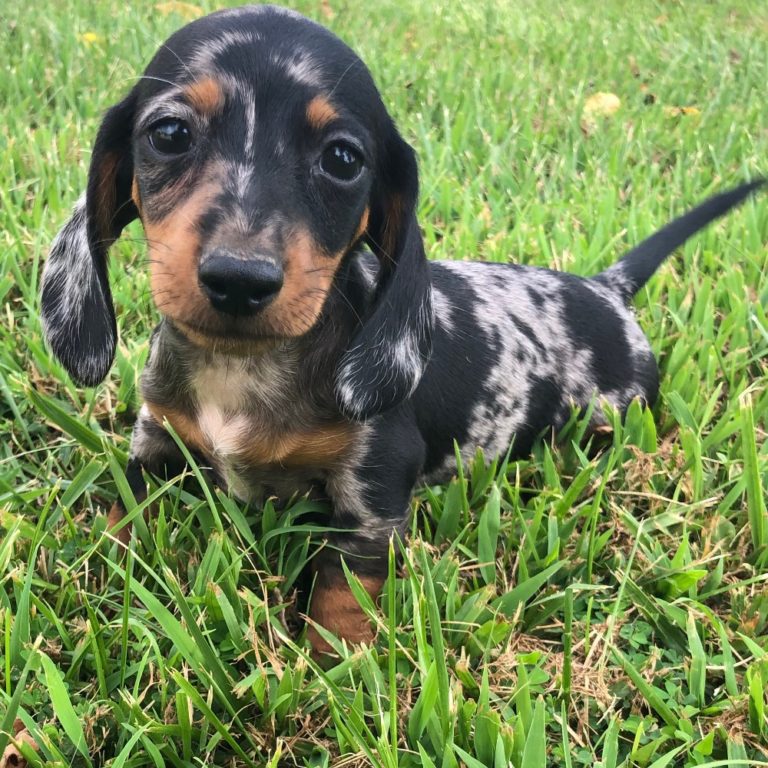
[(257, 153)]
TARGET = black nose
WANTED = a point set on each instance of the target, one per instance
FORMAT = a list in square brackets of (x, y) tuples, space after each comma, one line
[(239, 286)]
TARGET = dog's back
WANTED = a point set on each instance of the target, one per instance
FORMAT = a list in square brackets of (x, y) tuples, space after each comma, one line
[(517, 348)]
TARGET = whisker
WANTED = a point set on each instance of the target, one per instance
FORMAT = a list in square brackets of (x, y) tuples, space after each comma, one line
[(156, 79)]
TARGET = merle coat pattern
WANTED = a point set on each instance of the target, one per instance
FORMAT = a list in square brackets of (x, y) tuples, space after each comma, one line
[(305, 342)]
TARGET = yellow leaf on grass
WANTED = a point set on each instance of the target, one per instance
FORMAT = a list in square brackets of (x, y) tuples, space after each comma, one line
[(677, 111), (597, 106), (185, 10), (600, 104), (89, 38)]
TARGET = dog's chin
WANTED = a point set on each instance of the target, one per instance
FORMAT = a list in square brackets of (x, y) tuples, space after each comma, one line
[(236, 342)]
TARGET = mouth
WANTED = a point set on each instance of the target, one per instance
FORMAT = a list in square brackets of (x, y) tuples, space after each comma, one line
[(233, 339)]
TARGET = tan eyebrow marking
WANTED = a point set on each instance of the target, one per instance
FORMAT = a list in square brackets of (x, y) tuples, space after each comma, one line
[(206, 96), (320, 112)]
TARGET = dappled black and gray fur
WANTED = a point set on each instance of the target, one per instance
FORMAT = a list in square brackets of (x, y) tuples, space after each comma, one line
[(305, 341)]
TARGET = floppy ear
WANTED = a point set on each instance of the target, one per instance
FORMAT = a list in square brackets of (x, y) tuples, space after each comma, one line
[(76, 303), (388, 354)]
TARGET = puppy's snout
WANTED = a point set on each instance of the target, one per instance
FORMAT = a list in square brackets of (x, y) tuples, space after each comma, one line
[(238, 286)]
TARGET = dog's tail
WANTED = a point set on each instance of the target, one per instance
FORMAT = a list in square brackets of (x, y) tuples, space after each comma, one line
[(631, 273)]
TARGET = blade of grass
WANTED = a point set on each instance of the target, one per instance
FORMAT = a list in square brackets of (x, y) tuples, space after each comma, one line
[(62, 706)]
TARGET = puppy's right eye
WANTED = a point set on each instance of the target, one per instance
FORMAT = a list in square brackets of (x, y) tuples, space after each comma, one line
[(170, 136)]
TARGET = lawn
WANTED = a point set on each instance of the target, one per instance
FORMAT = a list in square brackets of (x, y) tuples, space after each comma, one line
[(583, 607)]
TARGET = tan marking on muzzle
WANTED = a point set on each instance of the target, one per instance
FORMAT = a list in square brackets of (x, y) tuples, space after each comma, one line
[(174, 250), (174, 253), (309, 272)]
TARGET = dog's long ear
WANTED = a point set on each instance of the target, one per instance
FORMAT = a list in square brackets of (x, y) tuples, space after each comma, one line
[(76, 303), (389, 353)]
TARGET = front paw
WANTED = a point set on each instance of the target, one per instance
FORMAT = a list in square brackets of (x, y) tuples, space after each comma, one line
[(335, 608)]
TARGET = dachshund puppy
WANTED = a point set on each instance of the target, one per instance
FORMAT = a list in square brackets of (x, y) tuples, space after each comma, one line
[(306, 343)]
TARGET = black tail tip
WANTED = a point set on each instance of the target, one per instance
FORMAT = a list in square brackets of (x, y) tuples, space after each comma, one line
[(752, 186), (631, 272), (732, 197)]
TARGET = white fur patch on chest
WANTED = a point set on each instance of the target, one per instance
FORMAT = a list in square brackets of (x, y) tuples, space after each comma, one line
[(225, 433), (222, 394)]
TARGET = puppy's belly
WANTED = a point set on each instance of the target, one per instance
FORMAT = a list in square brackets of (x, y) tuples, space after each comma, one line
[(502, 426)]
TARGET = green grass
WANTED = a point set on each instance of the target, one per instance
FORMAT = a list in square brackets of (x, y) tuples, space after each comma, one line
[(624, 621)]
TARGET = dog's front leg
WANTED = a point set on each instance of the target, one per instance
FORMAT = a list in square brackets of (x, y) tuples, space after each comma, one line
[(371, 501), (153, 450)]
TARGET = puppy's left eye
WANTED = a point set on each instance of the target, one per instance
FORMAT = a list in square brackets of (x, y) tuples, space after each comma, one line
[(342, 161), (170, 136)]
